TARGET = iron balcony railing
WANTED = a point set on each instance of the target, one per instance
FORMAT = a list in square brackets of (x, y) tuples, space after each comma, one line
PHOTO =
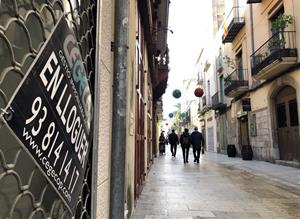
[(280, 45), (233, 24), (218, 101), (236, 80), (253, 1)]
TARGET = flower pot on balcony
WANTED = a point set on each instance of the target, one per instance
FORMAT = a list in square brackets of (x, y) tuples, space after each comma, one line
[(231, 151), (247, 153)]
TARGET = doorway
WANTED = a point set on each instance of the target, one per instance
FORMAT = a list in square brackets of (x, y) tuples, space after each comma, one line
[(244, 137), (287, 124)]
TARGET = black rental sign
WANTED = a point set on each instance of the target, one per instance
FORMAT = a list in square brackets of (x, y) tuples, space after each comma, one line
[(51, 113)]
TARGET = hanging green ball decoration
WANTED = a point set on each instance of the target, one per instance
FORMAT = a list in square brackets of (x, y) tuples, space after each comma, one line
[(176, 93), (182, 115)]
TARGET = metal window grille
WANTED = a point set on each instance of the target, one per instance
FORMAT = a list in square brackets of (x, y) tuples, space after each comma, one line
[(24, 27)]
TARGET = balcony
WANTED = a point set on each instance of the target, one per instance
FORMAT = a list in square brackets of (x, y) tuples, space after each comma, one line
[(218, 101), (235, 83), (233, 24), (253, 1), (276, 55)]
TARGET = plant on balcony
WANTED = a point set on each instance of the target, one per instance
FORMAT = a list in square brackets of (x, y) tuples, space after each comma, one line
[(282, 22), (278, 26), (227, 79), (257, 58), (229, 62)]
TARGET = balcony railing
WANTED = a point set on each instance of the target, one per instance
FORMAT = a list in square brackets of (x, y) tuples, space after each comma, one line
[(205, 105), (253, 1), (218, 101), (236, 83), (276, 55), (233, 24)]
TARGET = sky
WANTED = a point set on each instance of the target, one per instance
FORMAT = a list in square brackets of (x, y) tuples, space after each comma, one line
[(187, 20)]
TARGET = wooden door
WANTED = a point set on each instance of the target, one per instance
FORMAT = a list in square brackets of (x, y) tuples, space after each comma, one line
[(139, 115), (244, 131), (288, 124)]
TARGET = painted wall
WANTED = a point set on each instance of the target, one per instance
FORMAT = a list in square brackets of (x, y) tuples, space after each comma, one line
[(106, 17), (131, 108)]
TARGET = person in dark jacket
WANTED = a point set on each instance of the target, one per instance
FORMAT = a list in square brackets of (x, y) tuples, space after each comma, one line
[(173, 140), (197, 141), (185, 141), (162, 143)]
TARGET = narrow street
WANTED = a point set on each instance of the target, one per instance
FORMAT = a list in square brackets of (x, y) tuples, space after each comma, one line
[(219, 187)]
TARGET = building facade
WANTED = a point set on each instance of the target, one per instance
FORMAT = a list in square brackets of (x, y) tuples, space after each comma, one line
[(258, 75), (79, 181)]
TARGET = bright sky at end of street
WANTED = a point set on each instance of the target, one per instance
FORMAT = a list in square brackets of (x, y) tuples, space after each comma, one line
[(187, 20)]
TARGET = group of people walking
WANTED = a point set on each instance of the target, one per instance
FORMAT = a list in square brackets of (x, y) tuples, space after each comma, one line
[(186, 140)]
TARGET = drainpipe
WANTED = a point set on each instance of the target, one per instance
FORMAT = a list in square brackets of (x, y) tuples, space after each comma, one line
[(252, 38), (117, 191), (251, 28)]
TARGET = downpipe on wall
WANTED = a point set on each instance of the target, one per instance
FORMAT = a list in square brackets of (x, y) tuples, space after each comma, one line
[(117, 188)]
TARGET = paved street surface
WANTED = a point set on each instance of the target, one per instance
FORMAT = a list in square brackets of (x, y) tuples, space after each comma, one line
[(218, 187)]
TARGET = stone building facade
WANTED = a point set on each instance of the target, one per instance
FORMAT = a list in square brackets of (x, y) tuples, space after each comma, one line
[(261, 79)]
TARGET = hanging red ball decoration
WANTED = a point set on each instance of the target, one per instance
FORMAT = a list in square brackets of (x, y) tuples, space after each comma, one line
[(198, 92)]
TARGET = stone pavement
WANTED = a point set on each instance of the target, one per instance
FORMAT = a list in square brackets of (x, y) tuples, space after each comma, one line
[(218, 187)]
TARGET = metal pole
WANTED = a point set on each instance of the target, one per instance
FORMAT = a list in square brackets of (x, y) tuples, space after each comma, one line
[(119, 111)]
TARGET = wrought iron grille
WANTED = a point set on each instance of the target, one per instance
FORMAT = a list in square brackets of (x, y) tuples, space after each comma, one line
[(24, 27)]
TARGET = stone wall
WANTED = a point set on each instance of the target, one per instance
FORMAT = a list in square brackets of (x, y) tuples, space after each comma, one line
[(260, 134)]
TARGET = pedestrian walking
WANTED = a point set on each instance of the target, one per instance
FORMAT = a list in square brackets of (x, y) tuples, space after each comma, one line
[(162, 143), (197, 142), (173, 141), (185, 142)]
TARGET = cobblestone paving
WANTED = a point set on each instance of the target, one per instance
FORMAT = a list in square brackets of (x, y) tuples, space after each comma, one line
[(218, 187)]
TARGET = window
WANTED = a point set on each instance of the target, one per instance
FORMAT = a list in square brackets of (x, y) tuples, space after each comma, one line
[(273, 18), (221, 89), (293, 113), (239, 65), (208, 93)]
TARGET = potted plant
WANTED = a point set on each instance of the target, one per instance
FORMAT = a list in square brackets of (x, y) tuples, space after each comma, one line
[(227, 79), (278, 26), (257, 59), (229, 62)]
